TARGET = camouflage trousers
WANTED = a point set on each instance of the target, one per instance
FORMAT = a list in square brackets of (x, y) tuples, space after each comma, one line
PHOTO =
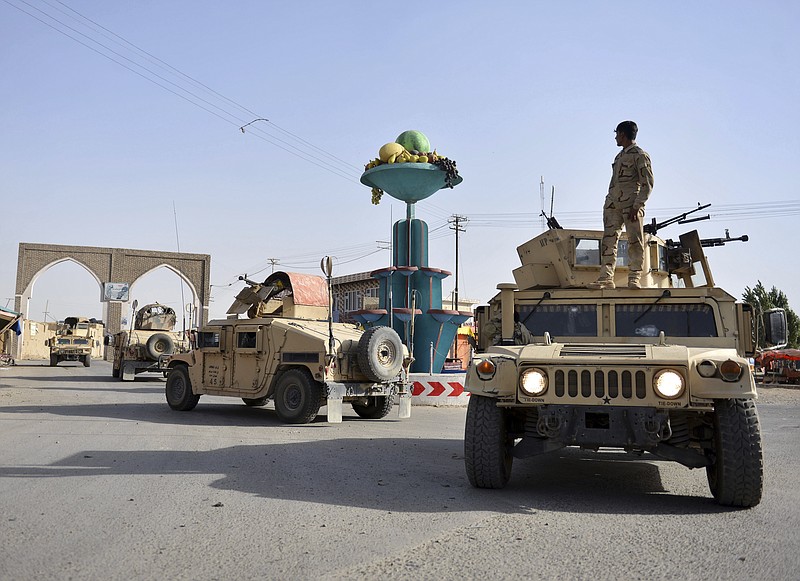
[(613, 220)]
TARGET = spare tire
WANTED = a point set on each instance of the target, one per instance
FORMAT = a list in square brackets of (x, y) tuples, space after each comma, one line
[(380, 354), (159, 344)]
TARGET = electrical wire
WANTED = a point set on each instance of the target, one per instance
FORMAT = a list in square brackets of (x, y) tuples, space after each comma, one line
[(305, 150)]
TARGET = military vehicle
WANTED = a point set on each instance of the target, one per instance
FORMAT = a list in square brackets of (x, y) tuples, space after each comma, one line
[(661, 369), (289, 350), (148, 344), (73, 341)]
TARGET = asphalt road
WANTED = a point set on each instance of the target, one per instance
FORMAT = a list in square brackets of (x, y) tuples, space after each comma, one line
[(101, 480)]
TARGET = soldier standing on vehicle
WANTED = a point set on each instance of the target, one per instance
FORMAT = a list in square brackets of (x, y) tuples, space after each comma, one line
[(631, 184)]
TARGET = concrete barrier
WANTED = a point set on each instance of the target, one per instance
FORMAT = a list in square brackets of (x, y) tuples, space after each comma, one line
[(441, 389)]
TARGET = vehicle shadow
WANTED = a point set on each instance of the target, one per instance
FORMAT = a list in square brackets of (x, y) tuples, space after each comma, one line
[(73, 378), (228, 413), (395, 474)]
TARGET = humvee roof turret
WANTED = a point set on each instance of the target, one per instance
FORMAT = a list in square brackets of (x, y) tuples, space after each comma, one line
[(659, 369), (288, 350)]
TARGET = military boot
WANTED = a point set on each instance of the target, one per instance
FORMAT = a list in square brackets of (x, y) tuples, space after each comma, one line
[(601, 283)]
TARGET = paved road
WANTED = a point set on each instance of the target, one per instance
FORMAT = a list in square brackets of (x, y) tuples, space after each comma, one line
[(101, 480)]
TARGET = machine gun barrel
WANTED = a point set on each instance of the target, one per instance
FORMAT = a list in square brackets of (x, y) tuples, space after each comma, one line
[(654, 226), (708, 242), (552, 223)]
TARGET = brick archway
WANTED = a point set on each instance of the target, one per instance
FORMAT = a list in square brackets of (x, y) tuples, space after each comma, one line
[(107, 265)]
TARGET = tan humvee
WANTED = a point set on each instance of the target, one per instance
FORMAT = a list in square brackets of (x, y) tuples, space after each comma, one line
[(148, 345), (659, 369), (73, 341), (288, 350)]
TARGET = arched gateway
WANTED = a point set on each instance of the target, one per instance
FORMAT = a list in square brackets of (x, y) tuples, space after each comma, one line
[(115, 270)]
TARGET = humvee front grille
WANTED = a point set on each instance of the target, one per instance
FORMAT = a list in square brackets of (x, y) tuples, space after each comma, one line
[(577, 350), (583, 383)]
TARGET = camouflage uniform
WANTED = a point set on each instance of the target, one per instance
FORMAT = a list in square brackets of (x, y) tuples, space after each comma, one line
[(522, 336), (631, 184)]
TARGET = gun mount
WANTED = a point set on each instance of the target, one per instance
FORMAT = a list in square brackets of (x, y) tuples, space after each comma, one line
[(569, 258), (287, 294)]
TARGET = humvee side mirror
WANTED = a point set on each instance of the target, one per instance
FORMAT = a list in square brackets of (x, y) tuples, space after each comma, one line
[(776, 330), (108, 340)]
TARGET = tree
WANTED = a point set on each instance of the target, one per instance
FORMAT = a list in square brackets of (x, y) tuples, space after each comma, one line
[(762, 300)]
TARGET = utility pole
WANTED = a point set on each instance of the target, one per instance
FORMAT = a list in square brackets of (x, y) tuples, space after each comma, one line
[(456, 222), (273, 262)]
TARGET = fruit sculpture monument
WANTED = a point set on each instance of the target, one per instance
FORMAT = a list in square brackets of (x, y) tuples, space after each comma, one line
[(410, 290)]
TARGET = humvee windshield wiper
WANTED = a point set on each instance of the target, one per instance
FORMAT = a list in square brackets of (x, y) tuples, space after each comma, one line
[(665, 294), (546, 295)]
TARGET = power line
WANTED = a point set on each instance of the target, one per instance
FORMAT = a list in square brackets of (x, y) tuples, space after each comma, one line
[(306, 150)]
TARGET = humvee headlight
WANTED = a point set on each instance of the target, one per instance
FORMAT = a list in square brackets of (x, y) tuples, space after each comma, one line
[(730, 370), (485, 369), (668, 384), (707, 368), (533, 381)]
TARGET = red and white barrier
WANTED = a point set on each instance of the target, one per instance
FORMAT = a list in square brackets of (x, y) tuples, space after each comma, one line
[(440, 389)]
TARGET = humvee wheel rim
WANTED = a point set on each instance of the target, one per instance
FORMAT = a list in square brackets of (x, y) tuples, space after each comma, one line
[(386, 354), (293, 398), (178, 388)]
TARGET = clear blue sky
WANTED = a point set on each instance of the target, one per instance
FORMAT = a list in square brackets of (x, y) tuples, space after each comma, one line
[(93, 153)]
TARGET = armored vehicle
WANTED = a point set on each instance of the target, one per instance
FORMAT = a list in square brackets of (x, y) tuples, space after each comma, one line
[(660, 369), (289, 350), (148, 345), (73, 341)]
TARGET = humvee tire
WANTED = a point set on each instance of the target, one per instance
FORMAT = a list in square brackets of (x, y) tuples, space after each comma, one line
[(160, 344), (297, 397), (487, 450), (255, 402), (736, 472), (179, 390), (87, 360), (377, 408), (53, 360), (380, 353)]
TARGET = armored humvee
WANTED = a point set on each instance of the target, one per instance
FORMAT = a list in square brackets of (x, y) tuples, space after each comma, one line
[(289, 350), (148, 345), (659, 369), (73, 341)]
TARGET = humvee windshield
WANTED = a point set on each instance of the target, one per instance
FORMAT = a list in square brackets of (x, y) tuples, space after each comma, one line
[(560, 320), (680, 320), (639, 320)]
